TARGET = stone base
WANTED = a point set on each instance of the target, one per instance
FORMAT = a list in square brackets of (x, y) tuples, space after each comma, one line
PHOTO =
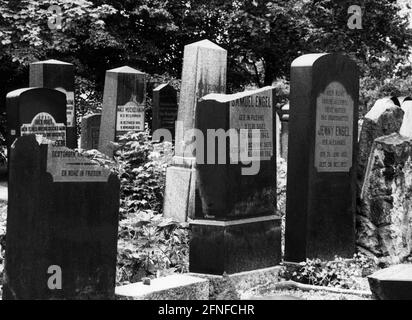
[(219, 247), (393, 283), (179, 193), (242, 281), (174, 287)]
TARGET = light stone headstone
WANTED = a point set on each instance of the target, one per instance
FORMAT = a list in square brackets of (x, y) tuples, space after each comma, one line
[(204, 71), (124, 102)]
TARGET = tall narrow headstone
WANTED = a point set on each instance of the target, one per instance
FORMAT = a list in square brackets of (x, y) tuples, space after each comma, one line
[(36, 111), (54, 74), (164, 108), (321, 182), (90, 131), (124, 102), (204, 71), (62, 224), (235, 227)]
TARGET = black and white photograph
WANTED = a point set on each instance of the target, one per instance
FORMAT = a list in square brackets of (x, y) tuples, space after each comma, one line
[(206, 158)]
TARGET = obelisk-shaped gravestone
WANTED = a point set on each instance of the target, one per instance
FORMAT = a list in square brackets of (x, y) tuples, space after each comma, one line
[(204, 71), (321, 189), (235, 227), (62, 223), (36, 111), (58, 75), (164, 108), (124, 102)]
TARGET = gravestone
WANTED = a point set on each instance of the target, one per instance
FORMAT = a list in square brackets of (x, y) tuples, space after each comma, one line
[(204, 71), (284, 131), (54, 74), (90, 131), (124, 102), (235, 228), (278, 135), (393, 283), (36, 111), (164, 108), (62, 224), (321, 181)]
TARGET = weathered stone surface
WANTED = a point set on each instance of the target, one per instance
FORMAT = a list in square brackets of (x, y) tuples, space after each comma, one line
[(384, 222), (124, 102), (204, 71), (406, 128), (174, 287), (61, 217), (384, 118), (90, 131), (322, 159), (58, 75), (393, 283)]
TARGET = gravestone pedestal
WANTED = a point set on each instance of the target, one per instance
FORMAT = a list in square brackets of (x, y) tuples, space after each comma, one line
[(322, 155), (58, 75), (62, 224), (235, 227), (124, 104), (204, 71)]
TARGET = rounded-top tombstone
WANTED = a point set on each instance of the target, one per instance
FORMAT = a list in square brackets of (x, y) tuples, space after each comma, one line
[(321, 189), (36, 111)]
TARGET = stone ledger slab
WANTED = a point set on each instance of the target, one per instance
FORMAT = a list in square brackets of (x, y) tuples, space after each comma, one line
[(174, 287)]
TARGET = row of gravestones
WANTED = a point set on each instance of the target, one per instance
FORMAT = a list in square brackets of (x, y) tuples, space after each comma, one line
[(63, 208)]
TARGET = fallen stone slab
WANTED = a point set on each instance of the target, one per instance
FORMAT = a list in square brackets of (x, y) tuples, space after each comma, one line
[(174, 287), (393, 283)]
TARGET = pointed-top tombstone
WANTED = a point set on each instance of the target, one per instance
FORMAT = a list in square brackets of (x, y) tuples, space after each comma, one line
[(124, 103), (321, 182), (59, 75), (204, 72)]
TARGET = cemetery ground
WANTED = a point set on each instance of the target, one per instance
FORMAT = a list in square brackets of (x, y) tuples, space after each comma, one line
[(150, 245)]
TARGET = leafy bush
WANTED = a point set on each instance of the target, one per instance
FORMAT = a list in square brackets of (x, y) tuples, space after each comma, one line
[(142, 171), (149, 244), (341, 273)]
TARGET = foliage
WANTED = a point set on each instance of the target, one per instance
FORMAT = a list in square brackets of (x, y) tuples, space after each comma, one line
[(142, 168), (150, 245), (341, 273)]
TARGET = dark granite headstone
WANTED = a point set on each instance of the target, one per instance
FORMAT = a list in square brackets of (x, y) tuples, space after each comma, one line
[(124, 102), (164, 108), (393, 283), (321, 189), (36, 111), (90, 131), (204, 71), (54, 74), (62, 215), (235, 227)]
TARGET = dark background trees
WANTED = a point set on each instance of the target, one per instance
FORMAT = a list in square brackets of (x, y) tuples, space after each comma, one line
[(262, 37)]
